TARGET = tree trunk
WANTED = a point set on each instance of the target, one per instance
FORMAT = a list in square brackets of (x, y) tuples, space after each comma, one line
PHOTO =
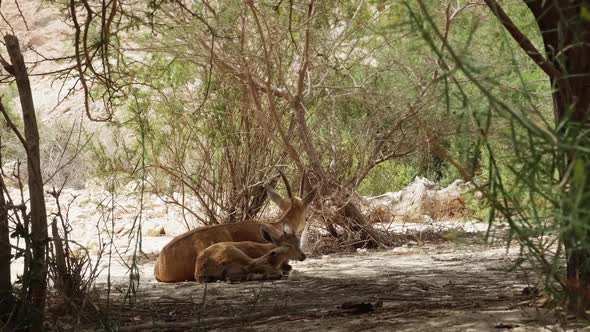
[(350, 208), (565, 29), (566, 37), (5, 256), (348, 213), (38, 215)]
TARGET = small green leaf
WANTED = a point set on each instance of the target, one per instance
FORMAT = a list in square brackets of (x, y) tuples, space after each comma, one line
[(451, 236), (585, 13), (579, 171)]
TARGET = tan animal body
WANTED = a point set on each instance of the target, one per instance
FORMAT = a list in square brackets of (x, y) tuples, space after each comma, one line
[(178, 258), (245, 260)]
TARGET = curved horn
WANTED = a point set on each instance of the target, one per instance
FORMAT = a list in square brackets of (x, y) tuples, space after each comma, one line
[(302, 184), (287, 186)]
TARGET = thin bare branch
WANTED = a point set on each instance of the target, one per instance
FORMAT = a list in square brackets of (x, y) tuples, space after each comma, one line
[(522, 40)]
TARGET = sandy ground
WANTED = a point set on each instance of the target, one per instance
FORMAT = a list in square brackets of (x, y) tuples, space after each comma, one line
[(458, 284), (98, 217), (87, 234), (434, 287)]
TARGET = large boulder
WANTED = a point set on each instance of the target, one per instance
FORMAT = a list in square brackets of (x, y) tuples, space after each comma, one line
[(421, 199)]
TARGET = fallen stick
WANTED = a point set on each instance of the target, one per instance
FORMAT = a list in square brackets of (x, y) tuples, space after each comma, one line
[(194, 323)]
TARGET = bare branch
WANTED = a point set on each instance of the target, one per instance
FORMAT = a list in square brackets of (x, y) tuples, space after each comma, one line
[(523, 41), (12, 125), (273, 111)]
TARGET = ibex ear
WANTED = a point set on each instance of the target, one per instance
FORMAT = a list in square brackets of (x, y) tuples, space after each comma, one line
[(288, 230), (309, 197), (266, 235), (283, 204)]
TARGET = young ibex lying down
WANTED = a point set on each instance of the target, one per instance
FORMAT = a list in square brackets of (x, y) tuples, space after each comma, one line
[(245, 260), (178, 258)]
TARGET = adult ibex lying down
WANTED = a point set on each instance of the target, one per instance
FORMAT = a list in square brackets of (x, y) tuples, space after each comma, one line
[(178, 258), (233, 260)]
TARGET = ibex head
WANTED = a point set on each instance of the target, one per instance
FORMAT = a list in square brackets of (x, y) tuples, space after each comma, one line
[(287, 245), (294, 207)]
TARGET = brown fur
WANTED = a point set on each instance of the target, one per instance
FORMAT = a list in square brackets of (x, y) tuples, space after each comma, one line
[(240, 260), (178, 258)]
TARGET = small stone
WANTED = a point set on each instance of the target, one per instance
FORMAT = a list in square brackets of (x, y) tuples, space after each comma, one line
[(156, 231), (294, 276)]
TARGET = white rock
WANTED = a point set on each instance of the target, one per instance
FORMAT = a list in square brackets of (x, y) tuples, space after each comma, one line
[(156, 231)]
